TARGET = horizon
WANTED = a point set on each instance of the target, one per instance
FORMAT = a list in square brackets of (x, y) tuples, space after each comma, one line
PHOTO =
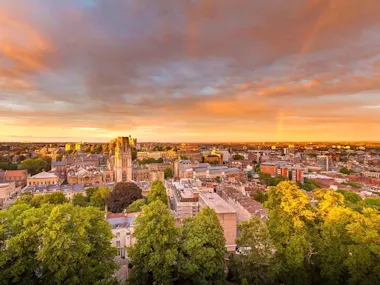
[(190, 71)]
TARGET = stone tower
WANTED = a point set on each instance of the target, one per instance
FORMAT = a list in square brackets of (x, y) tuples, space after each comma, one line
[(123, 158)]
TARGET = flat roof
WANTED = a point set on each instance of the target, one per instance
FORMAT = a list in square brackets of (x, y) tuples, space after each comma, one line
[(217, 203)]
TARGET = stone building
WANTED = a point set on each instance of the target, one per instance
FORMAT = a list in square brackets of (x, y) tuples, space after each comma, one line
[(43, 178), (123, 158)]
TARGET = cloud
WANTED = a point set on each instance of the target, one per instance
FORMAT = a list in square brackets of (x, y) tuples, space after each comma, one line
[(193, 66)]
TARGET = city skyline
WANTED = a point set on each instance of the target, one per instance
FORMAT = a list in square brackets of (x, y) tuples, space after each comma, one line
[(209, 71)]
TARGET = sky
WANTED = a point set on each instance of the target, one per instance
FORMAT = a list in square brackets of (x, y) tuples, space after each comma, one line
[(190, 70)]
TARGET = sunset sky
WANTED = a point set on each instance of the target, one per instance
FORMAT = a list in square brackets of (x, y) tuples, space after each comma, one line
[(189, 70)]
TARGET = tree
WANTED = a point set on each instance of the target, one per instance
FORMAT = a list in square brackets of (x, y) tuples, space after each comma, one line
[(260, 196), (24, 198), (345, 170), (123, 194), (155, 254), (372, 203), (168, 172), (351, 199), (255, 261), (203, 249), (79, 200), (157, 192), (55, 244), (34, 166), (99, 198), (8, 166), (238, 157), (55, 198), (218, 179), (136, 206), (90, 191), (290, 214)]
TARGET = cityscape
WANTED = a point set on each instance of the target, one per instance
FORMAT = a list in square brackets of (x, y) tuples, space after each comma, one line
[(190, 142)]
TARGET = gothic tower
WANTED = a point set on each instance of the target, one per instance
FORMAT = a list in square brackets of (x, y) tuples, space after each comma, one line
[(123, 158)]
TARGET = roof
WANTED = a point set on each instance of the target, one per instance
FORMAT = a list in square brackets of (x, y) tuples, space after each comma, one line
[(44, 175), (58, 163), (217, 203), (14, 173)]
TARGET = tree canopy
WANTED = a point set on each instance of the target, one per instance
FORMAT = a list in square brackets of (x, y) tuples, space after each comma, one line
[(36, 165), (168, 172), (202, 249), (154, 256), (157, 192), (136, 206), (54, 244), (123, 194)]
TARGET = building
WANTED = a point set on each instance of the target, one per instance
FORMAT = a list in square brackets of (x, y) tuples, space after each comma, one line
[(122, 227), (325, 162), (85, 175), (79, 146), (144, 173), (189, 196), (6, 191), (213, 158), (69, 147), (226, 215), (297, 175), (123, 158), (270, 168), (43, 178), (18, 176)]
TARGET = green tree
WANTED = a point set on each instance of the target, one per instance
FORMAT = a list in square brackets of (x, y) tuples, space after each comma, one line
[(35, 165), (351, 199), (255, 260), (155, 254), (203, 249), (345, 170), (136, 206), (55, 198), (54, 244), (79, 200), (238, 157), (218, 179), (90, 191), (99, 198), (168, 172), (290, 214), (24, 198), (260, 196), (8, 166), (123, 194), (157, 192), (372, 203)]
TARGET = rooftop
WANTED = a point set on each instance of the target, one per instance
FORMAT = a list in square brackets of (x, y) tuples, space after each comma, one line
[(43, 175), (216, 202)]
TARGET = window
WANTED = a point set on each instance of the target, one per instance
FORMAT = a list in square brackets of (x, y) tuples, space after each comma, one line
[(118, 244), (117, 234)]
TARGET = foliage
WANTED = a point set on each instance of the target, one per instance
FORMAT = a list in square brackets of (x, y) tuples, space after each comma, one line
[(202, 249), (218, 179), (268, 180), (150, 160), (35, 165), (55, 198), (24, 198), (309, 185), (290, 214), (260, 196), (8, 166), (353, 185), (90, 191), (54, 244), (351, 199), (255, 261), (155, 254), (123, 194), (168, 172), (136, 206), (345, 170), (79, 200), (99, 197), (157, 192), (372, 203), (238, 157)]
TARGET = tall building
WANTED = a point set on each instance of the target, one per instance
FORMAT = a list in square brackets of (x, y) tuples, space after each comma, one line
[(123, 158), (325, 162)]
